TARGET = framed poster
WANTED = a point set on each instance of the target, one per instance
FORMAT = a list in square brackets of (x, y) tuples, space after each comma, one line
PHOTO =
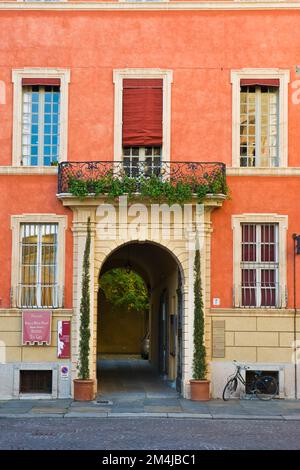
[(36, 327)]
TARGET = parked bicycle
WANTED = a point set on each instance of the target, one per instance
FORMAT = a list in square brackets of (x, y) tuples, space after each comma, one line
[(264, 387)]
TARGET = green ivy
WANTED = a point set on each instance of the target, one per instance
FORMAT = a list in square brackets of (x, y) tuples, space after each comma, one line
[(153, 188)]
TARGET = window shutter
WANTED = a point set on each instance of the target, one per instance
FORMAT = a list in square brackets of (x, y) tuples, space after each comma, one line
[(260, 81), (41, 81), (142, 112)]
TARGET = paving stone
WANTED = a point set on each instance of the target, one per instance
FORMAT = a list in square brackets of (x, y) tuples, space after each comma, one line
[(244, 416), (75, 414), (18, 404), (163, 409), (45, 415), (89, 409), (13, 411), (161, 402), (136, 415), (190, 415), (127, 409), (49, 410)]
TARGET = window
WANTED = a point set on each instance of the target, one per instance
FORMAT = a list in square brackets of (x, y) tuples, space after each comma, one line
[(38, 280), (142, 130), (142, 121), (40, 117), (38, 260), (259, 260), (259, 121), (40, 125), (259, 265), (142, 161), (36, 381)]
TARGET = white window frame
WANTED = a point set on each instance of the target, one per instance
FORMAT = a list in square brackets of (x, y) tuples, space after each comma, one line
[(282, 222), (118, 77), (17, 75), (38, 264), (16, 221), (258, 265), (284, 77)]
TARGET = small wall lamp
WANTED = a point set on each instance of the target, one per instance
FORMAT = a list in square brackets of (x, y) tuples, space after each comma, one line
[(297, 240)]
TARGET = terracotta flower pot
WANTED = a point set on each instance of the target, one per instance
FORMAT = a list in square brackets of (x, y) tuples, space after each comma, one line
[(84, 390), (200, 390)]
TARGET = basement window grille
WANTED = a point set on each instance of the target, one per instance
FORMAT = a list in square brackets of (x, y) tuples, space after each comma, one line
[(36, 381)]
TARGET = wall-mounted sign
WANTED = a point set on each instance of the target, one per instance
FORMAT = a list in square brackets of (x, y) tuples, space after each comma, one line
[(63, 339), (216, 301), (64, 372), (36, 327)]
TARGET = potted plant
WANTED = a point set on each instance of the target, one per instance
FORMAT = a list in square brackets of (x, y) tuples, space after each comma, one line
[(199, 384), (83, 385)]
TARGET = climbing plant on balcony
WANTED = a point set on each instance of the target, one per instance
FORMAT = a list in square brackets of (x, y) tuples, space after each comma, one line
[(155, 188)]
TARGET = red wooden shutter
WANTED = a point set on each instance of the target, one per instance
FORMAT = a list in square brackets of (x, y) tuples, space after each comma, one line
[(41, 81), (142, 112), (260, 81)]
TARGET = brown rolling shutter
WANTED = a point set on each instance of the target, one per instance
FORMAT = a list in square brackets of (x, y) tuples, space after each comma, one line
[(142, 112), (41, 81), (260, 81)]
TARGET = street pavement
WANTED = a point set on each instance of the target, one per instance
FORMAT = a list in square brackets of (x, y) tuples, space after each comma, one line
[(147, 434), (152, 406)]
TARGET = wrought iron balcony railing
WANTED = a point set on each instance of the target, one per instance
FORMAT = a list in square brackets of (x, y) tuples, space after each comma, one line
[(211, 174)]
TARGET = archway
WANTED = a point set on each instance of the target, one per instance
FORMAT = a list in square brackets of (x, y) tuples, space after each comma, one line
[(120, 334)]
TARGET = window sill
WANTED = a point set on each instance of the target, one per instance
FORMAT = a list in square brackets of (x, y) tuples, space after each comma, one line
[(28, 170), (278, 171), (251, 312)]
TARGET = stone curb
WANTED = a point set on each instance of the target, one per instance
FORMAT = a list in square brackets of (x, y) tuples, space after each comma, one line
[(85, 415), (248, 417), (190, 415), (292, 417), (140, 415), (178, 415)]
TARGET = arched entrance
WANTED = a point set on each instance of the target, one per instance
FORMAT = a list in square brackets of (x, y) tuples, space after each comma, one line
[(120, 334)]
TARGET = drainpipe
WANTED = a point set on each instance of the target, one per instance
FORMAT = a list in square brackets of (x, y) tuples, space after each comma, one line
[(296, 247)]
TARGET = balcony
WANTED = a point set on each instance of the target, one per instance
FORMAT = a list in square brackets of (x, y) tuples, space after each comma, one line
[(135, 177)]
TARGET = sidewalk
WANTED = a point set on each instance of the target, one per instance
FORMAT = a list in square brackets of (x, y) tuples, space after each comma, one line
[(137, 405)]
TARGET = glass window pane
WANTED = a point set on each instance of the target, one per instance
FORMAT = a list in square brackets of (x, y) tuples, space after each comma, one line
[(44, 117)]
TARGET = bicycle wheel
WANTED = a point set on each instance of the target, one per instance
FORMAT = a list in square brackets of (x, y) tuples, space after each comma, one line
[(229, 389), (266, 387)]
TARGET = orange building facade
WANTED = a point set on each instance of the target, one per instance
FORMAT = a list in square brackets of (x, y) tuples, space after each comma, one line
[(229, 81)]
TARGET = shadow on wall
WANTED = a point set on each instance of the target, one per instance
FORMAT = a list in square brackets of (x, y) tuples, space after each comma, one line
[(119, 331)]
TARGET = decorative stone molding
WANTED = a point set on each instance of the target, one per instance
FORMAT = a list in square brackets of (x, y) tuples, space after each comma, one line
[(152, 6)]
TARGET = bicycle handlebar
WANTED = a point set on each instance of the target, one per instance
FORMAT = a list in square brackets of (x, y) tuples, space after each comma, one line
[(242, 366)]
